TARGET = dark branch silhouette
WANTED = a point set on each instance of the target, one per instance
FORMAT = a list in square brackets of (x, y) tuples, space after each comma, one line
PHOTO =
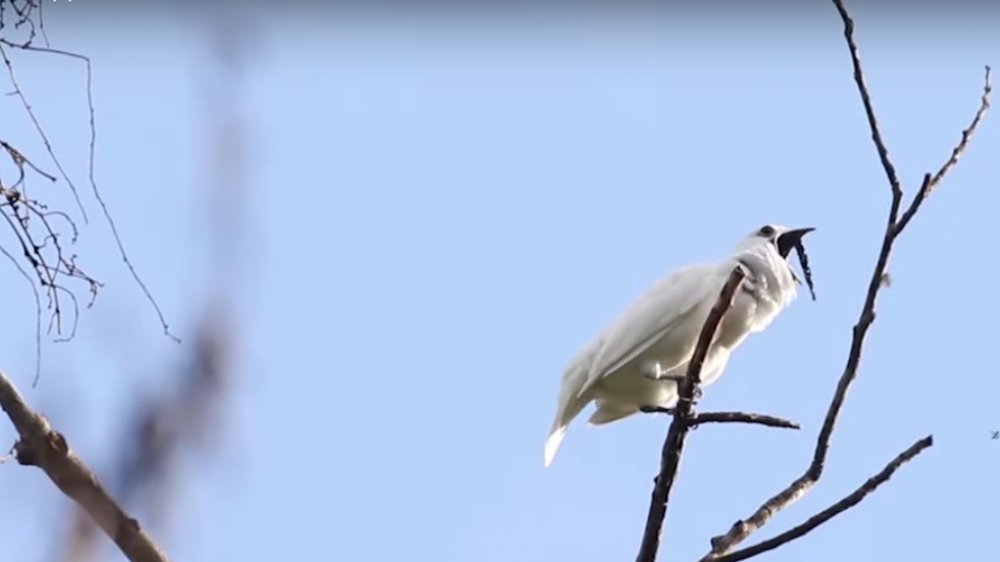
[(683, 414), (895, 225), (836, 509), (723, 417), (684, 417), (40, 445), (742, 417)]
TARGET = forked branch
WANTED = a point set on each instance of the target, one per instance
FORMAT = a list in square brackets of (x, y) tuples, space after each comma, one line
[(836, 509), (895, 224), (673, 445)]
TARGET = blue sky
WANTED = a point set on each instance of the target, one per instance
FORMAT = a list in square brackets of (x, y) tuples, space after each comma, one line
[(443, 211)]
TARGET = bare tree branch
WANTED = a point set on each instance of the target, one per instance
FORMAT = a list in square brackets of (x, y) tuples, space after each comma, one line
[(742, 417), (836, 509), (40, 445), (894, 227), (866, 100), (673, 445)]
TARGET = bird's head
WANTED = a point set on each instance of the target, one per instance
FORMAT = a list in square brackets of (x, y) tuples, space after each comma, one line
[(783, 239)]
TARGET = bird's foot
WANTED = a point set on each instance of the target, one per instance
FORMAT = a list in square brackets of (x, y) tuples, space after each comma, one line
[(656, 373), (695, 397), (664, 377)]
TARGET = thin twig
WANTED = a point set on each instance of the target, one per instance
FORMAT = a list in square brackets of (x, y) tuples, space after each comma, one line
[(866, 100), (673, 445), (742, 417), (836, 509), (984, 106), (40, 445), (894, 226), (918, 199), (41, 131), (38, 313), (931, 182), (91, 175)]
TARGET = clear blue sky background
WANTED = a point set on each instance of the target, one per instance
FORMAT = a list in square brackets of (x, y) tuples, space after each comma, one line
[(444, 210)]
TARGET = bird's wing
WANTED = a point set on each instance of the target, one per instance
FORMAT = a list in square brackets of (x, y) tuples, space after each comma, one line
[(651, 315)]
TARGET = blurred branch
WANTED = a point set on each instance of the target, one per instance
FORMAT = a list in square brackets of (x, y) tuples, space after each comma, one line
[(159, 429), (162, 428), (40, 445), (894, 227), (683, 415)]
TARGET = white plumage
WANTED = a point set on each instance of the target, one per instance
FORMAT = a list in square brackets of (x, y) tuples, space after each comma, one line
[(657, 334)]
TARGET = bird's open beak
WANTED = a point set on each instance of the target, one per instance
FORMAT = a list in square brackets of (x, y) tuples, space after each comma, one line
[(791, 238)]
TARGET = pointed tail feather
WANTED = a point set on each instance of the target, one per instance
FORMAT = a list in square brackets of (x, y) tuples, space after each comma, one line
[(569, 407), (552, 443), (572, 397)]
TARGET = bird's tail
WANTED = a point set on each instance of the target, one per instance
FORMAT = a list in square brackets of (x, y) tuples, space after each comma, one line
[(572, 397), (552, 443), (567, 412)]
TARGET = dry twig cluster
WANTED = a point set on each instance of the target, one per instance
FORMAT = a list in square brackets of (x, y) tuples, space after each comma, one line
[(43, 235), (162, 426)]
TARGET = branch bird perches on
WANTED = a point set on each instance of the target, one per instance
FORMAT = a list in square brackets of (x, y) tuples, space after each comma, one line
[(722, 546)]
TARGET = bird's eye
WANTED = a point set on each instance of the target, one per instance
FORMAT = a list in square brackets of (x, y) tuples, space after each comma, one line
[(766, 231)]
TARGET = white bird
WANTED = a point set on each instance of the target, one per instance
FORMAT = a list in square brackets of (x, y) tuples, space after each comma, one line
[(627, 367)]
